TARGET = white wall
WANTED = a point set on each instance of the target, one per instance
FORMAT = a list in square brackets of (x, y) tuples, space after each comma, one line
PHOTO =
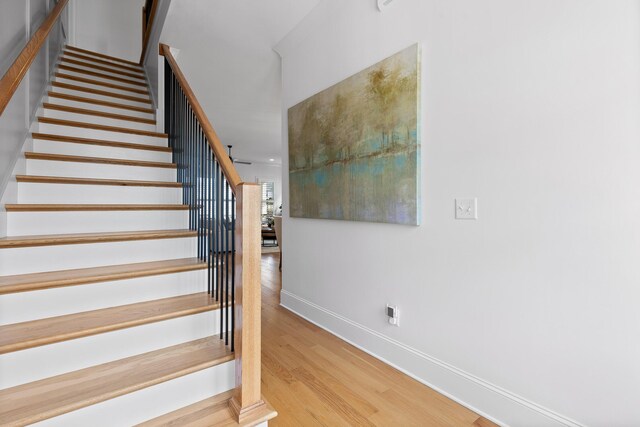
[(263, 172), (18, 21), (112, 27), (529, 314)]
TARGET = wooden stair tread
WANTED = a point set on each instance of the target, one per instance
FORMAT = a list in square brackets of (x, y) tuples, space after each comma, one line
[(84, 238), (104, 160), (101, 75), (82, 57), (76, 110), (40, 400), (95, 181), (20, 336), (101, 92), (103, 142), (51, 207), (101, 83), (106, 128), (101, 55), (75, 98), (213, 411), (56, 279), (101, 68)]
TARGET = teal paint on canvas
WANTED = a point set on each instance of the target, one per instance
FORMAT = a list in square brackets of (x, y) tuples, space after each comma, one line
[(354, 148)]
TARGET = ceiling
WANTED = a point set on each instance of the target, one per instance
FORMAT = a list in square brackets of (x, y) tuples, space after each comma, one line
[(226, 52)]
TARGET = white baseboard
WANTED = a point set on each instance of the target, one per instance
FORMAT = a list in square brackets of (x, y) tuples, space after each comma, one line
[(486, 399)]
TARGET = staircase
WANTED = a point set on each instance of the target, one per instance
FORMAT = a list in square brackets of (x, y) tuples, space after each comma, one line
[(105, 318)]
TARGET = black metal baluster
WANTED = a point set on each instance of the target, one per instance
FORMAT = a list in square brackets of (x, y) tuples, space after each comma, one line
[(209, 219), (200, 181), (200, 198), (185, 148), (179, 137), (190, 145), (214, 227), (211, 201), (178, 102), (226, 264), (220, 248), (194, 169), (233, 270)]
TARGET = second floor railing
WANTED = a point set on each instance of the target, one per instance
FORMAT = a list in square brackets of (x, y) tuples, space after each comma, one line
[(225, 212)]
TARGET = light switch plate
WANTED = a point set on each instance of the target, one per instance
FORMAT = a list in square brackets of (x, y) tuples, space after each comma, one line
[(466, 208)]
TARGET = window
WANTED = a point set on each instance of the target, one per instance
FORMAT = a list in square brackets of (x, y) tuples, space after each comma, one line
[(267, 202)]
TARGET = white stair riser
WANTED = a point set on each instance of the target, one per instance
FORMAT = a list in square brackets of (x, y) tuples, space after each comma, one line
[(134, 408), (90, 95), (96, 107), (116, 81), (126, 90), (35, 223), (113, 71), (54, 359), (100, 134), (88, 150), (26, 306), (63, 257), (95, 57), (71, 193), (77, 117), (99, 170)]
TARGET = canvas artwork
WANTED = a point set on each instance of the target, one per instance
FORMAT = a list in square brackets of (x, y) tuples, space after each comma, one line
[(354, 148)]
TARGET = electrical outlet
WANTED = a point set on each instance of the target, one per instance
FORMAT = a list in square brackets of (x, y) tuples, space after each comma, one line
[(393, 314), (466, 208)]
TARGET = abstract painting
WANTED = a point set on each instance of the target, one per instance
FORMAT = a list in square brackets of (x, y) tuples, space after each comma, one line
[(354, 148)]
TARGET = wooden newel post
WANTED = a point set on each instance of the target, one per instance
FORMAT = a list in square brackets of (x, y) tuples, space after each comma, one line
[(247, 398)]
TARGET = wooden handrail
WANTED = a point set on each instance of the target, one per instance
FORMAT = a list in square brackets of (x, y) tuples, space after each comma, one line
[(14, 75), (219, 152), (147, 26)]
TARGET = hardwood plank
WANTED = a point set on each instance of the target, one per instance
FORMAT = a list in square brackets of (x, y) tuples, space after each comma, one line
[(95, 181), (101, 75), (101, 83), (49, 207), (99, 102), (106, 128), (101, 160), (92, 59), (83, 276), (100, 92), (87, 112), (101, 68), (18, 69), (483, 422), (213, 411), (102, 142), (313, 378), (40, 400), (84, 238), (35, 333), (100, 55)]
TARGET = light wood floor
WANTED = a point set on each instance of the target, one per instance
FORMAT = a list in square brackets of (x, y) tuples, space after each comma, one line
[(313, 378)]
